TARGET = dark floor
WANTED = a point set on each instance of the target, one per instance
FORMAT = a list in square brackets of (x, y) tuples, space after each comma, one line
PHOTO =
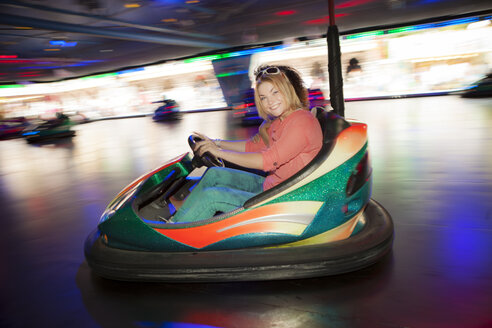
[(432, 160)]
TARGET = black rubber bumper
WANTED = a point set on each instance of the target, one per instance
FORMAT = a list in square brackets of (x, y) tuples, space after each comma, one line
[(357, 252)]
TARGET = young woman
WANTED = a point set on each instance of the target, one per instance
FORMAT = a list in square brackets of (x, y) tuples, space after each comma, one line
[(289, 139)]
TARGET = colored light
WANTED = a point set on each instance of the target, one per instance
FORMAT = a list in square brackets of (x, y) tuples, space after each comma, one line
[(323, 20), (192, 1), (132, 5), (82, 63), (433, 25), (169, 20), (30, 72), (52, 49), (316, 21), (63, 43), (98, 76), (8, 56), (57, 42), (352, 3), (365, 34), (15, 61), (8, 86), (401, 30), (30, 133), (211, 57), (231, 73), (126, 71), (458, 21), (241, 112), (286, 12)]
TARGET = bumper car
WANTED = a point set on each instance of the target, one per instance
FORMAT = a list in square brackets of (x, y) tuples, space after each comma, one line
[(319, 222), (12, 127), (479, 89), (169, 111), (49, 130)]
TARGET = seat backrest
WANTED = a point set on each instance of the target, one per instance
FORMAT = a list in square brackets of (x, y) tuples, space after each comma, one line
[(331, 123)]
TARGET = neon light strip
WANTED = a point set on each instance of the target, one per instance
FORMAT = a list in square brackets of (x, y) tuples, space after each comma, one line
[(126, 71), (416, 27), (434, 25), (365, 34), (11, 86), (63, 43), (98, 76), (231, 73)]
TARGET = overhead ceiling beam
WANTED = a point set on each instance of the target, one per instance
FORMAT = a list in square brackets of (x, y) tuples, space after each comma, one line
[(104, 33), (106, 19)]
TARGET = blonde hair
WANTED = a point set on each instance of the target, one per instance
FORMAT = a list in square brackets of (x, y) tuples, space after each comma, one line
[(283, 84)]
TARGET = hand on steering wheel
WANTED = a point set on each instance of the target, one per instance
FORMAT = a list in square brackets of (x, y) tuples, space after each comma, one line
[(207, 158)]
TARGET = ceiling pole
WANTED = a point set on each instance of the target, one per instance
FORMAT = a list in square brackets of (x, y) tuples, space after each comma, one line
[(334, 63)]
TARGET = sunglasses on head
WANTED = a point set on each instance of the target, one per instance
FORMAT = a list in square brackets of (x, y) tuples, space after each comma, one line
[(269, 71)]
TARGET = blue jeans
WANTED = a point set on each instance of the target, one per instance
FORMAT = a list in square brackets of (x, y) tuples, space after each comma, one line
[(220, 190)]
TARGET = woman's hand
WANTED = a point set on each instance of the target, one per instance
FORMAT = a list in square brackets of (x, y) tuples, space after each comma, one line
[(228, 152), (206, 145)]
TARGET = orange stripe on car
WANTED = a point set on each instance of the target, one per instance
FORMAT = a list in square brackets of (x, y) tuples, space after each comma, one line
[(262, 220)]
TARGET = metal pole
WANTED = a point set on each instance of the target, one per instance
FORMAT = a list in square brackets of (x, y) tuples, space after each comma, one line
[(334, 64)]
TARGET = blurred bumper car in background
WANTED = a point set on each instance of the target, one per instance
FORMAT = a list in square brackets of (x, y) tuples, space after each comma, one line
[(49, 130), (168, 111), (480, 89)]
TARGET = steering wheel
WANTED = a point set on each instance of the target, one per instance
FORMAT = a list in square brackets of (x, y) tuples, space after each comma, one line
[(206, 159)]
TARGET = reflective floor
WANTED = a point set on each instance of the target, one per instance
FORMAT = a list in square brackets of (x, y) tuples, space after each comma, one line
[(432, 160)]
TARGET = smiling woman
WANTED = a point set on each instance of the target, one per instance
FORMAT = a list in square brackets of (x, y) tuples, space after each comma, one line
[(288, 140)]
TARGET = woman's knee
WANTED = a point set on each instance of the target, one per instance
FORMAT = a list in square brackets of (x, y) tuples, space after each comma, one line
[(209, 178), (212, 173)]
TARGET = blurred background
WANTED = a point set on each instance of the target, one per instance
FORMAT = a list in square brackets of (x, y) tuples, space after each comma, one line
[(425, 59), (171, 67)]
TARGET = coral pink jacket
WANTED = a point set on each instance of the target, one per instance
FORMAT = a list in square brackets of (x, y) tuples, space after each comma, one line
[(294, 142)]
